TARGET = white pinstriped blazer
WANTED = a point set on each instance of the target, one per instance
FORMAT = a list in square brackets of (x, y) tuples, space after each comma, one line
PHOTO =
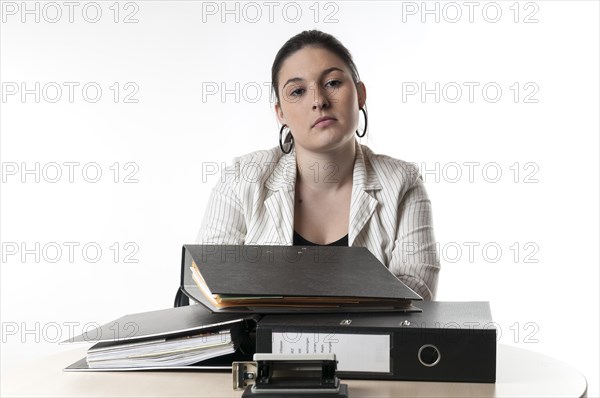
[(390, 212)]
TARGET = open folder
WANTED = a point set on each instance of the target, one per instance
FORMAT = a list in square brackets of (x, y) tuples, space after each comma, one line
[(283, 279), (183, 338)]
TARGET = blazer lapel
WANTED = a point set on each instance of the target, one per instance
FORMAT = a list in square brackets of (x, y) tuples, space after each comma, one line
[(280, 203), (363, 203)]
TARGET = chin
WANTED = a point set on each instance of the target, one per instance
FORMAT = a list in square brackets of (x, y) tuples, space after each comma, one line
[(326, 145)]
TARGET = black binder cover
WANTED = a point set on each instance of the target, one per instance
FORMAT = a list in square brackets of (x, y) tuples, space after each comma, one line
[(174, 322), (317, 271), (447, 341)]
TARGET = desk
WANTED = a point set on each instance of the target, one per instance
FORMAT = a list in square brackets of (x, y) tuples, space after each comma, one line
[(520, 373)]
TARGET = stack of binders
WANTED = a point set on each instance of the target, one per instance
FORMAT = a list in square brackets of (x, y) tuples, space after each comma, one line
[(301, 300)]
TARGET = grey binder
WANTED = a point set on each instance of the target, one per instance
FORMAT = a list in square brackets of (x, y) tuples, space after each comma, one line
[(447, 341), (173, 322), (294, 271)]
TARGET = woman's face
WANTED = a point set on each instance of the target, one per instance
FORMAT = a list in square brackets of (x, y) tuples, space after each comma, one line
[(315, 83)]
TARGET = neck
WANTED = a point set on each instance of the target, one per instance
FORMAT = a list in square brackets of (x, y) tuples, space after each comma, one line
[(326, 171)]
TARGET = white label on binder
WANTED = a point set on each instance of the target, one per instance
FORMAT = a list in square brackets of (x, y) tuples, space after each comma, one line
[(354, 352)]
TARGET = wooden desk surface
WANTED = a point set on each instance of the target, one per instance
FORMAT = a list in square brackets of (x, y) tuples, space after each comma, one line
[(520, 373)]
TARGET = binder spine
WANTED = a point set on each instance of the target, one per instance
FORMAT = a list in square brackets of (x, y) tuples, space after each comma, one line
[(417, 354)]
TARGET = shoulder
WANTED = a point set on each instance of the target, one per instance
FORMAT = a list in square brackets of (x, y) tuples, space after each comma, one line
[(386, 167), (249, 171)]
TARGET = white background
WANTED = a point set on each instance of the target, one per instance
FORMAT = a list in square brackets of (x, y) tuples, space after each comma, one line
[(542, 286)]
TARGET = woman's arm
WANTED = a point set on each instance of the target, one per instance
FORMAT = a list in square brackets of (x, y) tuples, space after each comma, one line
[(414, 257)]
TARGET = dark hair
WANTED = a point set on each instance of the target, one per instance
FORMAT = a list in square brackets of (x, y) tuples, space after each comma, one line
[(312, 38)]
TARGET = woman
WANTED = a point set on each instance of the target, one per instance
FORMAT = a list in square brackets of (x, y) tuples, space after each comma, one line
[(319, 186)]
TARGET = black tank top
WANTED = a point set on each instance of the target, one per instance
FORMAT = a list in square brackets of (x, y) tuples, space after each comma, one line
[(300, 241)]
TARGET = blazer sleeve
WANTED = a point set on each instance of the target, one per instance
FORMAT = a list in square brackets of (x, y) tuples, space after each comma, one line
[(223, 222), (414, 258)]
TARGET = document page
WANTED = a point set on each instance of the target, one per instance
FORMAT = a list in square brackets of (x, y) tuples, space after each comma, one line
[(354, 352)]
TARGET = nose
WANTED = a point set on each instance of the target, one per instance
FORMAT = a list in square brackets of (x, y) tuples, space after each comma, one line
[(320, 100)]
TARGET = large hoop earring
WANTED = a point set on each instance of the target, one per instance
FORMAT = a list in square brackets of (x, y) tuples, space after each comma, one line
[(366, 123), (286, 147)]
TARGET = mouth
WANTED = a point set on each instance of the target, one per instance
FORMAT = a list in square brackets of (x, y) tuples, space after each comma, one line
[(324, 121)]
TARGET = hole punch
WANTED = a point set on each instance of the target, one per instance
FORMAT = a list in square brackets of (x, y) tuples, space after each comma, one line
[(275, 376)]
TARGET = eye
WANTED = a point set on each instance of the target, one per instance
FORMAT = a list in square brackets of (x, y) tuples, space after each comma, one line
[(297, 92), (334, 83)]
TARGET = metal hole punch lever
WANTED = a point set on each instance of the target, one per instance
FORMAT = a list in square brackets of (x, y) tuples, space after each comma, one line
[(275, 376)]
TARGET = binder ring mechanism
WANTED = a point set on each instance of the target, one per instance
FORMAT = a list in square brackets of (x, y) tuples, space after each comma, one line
[(276, 375)]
